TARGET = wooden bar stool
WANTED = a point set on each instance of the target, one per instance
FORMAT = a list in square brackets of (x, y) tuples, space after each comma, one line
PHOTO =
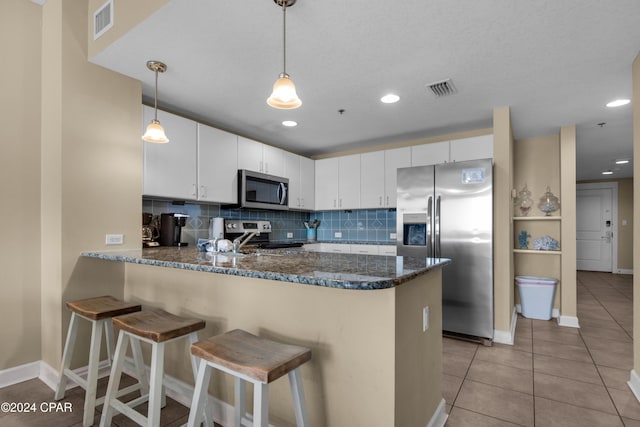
[(254, 359), (156, 327), (99, 312)]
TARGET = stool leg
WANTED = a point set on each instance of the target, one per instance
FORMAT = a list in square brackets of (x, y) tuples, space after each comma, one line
[(108, 330), (208, 421), (155, 384), (260, 405), (198, 403), (114, 380), (66, 355), (239, 399), (299, 403), (138, 362), (92, 374)]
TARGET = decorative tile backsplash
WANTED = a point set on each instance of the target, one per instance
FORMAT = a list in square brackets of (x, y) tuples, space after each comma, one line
[(367, 225)]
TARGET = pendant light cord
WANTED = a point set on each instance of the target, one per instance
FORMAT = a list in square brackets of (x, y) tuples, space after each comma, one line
[(156, 98), (284, 36)]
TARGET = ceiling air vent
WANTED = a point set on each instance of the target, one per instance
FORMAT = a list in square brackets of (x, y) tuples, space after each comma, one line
[(103, 19), (442, 88)]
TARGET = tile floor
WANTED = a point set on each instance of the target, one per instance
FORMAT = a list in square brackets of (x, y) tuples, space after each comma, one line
[(552, 376)]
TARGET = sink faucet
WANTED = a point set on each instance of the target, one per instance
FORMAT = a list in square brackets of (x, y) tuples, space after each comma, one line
[(238, 243)]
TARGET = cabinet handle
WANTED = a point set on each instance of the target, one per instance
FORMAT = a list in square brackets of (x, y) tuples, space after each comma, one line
[(195, 190), (380, 202), (334, 203), (302, 202), (387, 200), (203, 191), (261, 166), (340, 202)]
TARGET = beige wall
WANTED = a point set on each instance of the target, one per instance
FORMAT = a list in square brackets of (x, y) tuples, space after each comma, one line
[(625, 212), (91, 177), (20, 182)]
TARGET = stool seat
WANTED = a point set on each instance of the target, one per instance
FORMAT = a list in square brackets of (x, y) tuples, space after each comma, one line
[(258, 358), (102, 307), (157, 325)]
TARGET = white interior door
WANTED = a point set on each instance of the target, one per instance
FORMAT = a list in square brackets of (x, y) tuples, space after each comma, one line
[(594, 229)]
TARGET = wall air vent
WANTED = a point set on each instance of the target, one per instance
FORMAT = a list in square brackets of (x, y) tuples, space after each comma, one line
[(103, 19), (442, 88)]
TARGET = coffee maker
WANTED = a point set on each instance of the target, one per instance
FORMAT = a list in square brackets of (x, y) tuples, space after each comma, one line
[(171, 229)]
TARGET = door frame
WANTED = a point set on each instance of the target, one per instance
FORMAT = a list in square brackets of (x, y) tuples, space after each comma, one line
[(613, 186)]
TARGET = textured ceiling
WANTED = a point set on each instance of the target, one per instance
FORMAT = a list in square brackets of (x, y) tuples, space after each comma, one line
[(553, 62)]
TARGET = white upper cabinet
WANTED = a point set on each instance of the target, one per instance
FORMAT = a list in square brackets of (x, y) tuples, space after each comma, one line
[(477, 147), (307, 183), (169, 170), (259, 157), (217, 165), (378, 174), (327, 184), (301, 173), (393, 160), (457, 150), (430, 154), (349, 182), (372, 177)]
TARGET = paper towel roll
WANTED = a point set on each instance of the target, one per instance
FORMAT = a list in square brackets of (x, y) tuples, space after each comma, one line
[(216, 228)]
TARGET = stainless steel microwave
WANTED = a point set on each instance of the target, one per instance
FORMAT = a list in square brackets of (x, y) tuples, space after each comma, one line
[(261, 191)]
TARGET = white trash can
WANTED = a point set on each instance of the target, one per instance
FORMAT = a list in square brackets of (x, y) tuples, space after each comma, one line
[(536, 296)]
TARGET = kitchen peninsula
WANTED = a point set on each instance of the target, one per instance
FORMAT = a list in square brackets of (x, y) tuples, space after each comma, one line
[(361, 315)]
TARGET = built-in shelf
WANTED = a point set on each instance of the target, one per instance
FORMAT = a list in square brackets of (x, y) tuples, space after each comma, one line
[(536, 218), (536, 251)]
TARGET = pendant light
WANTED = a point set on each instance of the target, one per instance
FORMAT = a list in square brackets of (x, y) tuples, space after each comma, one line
[(284, 92), (155, 131)]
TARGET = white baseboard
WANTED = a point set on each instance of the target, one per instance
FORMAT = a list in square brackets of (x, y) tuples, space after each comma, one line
[(568, 321), (624, 271), (507, 337), (634, 383), (19, 374), (440, 416)]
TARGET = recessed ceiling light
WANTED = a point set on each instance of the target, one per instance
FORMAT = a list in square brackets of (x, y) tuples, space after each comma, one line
[(622, 162), (289, 123), (390, 98), (607, 173), (618, 102)]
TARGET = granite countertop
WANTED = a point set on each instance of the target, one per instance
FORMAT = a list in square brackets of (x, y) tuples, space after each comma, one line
[(346, 271)]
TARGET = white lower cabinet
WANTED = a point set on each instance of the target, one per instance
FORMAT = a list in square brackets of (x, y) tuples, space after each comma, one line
[(345, 248)]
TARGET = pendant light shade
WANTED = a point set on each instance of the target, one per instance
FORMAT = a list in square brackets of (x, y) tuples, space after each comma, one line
[(284, 94), (155, 131)]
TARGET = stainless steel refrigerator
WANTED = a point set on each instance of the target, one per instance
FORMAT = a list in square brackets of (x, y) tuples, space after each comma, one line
[(446, 211)]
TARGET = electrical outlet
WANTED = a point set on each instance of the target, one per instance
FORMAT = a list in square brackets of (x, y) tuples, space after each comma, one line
[(289, 235), (393, 235), (114, 239), (425, 318), (337, 234)]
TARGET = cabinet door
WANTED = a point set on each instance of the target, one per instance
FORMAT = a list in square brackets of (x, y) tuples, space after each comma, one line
[(292, 171), (272, 160), (307, 183), (393, 160), (430, 154), (477, 147), (249, 154), (372, 179), (326, 184), (364, 249), (217, 165), (169, 170), (349, 182)]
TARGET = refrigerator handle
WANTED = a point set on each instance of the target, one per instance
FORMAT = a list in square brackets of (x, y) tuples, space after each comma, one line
[(437, 229), (429, 223)]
